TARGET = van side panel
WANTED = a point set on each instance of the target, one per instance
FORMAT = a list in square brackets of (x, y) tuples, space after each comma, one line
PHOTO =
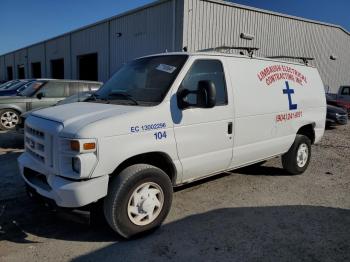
[(272, 100)]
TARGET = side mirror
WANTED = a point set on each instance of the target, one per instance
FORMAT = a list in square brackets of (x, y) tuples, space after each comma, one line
[(205, 96), (40, 95)]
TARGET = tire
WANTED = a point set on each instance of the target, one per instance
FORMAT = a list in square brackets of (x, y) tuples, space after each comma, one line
[(9, 118), (294, 161), (128, 196)]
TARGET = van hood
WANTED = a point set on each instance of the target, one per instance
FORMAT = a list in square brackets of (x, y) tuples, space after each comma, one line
[(77, 115)]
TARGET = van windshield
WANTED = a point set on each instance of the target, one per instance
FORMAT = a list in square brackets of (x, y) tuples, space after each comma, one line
[(144, 81)]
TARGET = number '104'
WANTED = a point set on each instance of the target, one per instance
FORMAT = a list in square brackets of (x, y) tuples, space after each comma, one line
[(160, 135)]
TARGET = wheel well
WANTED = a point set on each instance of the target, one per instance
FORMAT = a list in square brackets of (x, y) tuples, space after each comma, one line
[(10, 108), (308, 131), (157, 159)]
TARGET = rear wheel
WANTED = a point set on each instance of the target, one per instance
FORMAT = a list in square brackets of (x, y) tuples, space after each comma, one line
[(8, 119), (138, 200), (297, 159)]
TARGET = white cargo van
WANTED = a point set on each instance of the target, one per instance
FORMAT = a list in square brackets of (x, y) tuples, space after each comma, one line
[(166, 120)]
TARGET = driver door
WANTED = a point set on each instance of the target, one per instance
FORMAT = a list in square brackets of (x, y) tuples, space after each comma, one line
[(204, 135)]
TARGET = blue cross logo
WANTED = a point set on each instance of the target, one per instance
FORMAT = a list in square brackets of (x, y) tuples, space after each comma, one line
[(289, 92)]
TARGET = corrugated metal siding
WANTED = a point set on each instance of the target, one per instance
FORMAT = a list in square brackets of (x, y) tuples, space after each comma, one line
[(208, 24), (2, 68), (88, 41), (179, 24), (36, 54), (21, 59), (57, 49), (9, 61), (199, 24), (146, 31), (142, 33)]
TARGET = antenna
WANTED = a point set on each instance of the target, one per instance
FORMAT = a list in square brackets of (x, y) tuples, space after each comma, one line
[(305, 60), (228, 49)]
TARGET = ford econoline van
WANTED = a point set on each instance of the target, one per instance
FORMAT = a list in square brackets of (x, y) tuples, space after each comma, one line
[(166, 120)]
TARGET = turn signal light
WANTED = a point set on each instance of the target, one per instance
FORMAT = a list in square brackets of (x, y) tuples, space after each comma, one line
[(89, 146)]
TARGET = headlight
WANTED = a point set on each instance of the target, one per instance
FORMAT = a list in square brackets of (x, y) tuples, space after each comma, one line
[(76, 165), (78, 157)]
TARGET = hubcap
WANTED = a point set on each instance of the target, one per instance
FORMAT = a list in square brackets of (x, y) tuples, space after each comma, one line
[(145, 203), (302, 155), (9, 119)]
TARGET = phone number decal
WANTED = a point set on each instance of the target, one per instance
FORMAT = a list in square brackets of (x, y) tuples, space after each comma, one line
[(148, 127), (288, 116)]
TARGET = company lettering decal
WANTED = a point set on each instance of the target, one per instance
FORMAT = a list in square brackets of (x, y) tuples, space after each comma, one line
[(288, 116), (283, 117), (274, 73), (158, 135), (288, 91)]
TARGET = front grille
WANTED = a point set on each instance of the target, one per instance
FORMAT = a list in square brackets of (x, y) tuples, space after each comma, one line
[(35, 143), (35, 132), (35, 155)]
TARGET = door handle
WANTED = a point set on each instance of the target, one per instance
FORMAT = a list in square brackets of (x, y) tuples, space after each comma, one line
[(229, 128)]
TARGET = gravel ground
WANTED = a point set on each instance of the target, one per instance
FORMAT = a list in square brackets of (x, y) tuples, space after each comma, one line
[(250, 214)]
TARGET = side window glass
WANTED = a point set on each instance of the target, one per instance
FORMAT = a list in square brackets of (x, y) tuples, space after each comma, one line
[(83, 87), (346, 91), (54, 89), (206, 70), (73, 88)]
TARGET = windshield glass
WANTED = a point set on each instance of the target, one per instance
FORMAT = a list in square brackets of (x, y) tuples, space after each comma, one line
[(144, 81), (19, 85), (8, 84), (31, 89)]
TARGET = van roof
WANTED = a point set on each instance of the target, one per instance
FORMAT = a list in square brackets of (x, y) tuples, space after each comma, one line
[(215, 53)]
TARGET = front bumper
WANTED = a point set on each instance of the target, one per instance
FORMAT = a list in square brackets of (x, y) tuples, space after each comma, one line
[(65, 192), (337, 120)]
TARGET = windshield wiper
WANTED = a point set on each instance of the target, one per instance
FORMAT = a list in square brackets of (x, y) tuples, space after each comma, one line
[(124, 94)]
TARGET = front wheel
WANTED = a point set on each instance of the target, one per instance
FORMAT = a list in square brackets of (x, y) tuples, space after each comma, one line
[(8, 119), (297, 159), (138, 200)]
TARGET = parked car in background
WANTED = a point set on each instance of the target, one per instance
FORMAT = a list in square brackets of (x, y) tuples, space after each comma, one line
[(39, 94), (336, 116), (341, 99), (13, 87), (79, 97)]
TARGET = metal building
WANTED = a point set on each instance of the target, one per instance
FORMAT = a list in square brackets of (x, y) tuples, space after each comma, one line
[(96, 51)]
